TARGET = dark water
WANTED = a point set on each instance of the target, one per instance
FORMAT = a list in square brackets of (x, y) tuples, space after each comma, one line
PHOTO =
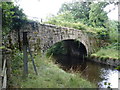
[(103, 76)]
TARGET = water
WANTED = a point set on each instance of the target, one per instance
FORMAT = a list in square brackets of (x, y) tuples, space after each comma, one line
[(103, 76)]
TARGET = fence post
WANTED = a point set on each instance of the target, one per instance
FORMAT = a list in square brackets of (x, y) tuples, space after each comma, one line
[(119, 39), (8, 55), (0, 70), (25, 56), (0, 49)]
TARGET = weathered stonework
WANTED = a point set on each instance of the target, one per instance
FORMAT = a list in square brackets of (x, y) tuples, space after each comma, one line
[(106, 61), (46, 35)]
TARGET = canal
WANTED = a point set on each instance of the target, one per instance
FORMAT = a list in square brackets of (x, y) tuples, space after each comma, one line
[(103, 76)]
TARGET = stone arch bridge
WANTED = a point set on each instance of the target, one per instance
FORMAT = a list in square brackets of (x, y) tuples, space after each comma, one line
[(43, 36)]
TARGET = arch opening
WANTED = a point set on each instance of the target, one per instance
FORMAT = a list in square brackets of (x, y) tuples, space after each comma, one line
[(69, 47), (69, 53), (75, 48)]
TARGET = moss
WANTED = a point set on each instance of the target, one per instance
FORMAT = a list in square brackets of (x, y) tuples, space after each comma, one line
[(106, 58), (118, 68)]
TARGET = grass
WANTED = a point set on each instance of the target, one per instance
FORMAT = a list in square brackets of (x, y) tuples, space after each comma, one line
[(108, 52), (49, 76)]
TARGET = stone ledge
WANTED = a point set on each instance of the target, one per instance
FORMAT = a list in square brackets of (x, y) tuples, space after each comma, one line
[(106, 61)]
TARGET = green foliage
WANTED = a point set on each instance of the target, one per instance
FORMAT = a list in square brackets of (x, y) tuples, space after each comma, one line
[(87, 16), (19, 18), (113, 31), (110, 51), (89, 13), (12, 17), (57, 49), (60, 21), (65, 19), (101, 33), (79, 10), (17, 62), (7, 16), (113, 46), (118, 68), (97, 16), (61, 18)]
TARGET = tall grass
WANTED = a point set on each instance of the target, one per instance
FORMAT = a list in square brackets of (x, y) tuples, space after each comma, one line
[(50, 76)]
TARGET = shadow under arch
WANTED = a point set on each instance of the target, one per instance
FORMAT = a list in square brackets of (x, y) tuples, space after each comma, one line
[(73, 47)]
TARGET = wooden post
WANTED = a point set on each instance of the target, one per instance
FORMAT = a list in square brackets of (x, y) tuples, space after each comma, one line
[(119, 40), (0, 49), (0, 74), (0, 71), (35, 69), (8, 65), (25, 56)]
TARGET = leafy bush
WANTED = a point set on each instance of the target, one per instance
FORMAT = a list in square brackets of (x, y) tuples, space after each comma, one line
[(78, 25), (17, 63), (113, 31), (56, 49)]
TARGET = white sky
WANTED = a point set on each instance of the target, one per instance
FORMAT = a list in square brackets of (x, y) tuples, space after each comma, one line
[(43, 8), (113, 15)]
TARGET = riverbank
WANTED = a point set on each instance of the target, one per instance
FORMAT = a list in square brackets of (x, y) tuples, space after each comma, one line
[(49, 76), (108, 56), (105, 60)]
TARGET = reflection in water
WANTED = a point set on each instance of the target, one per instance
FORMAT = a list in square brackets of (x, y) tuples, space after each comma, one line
[(101, 75)]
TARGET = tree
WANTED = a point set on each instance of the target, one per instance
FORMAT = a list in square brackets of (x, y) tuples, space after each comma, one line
[(113, 31), (13, 18), (97, 16), (7, 16), (80, 10), (61, 17)]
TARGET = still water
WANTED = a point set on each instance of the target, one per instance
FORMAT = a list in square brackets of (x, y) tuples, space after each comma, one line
[(103, 76)]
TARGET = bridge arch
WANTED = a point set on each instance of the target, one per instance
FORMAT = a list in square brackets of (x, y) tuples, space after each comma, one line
[(51, 34), (82, 47)]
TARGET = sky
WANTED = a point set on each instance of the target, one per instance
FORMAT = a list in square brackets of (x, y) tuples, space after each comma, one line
[(40, 9)]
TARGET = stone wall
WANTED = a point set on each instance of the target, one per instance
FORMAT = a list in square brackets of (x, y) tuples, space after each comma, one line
[(43, 36)]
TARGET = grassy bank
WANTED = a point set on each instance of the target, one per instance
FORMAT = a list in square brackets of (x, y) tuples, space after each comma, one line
[(49, 76), (110, 51)]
